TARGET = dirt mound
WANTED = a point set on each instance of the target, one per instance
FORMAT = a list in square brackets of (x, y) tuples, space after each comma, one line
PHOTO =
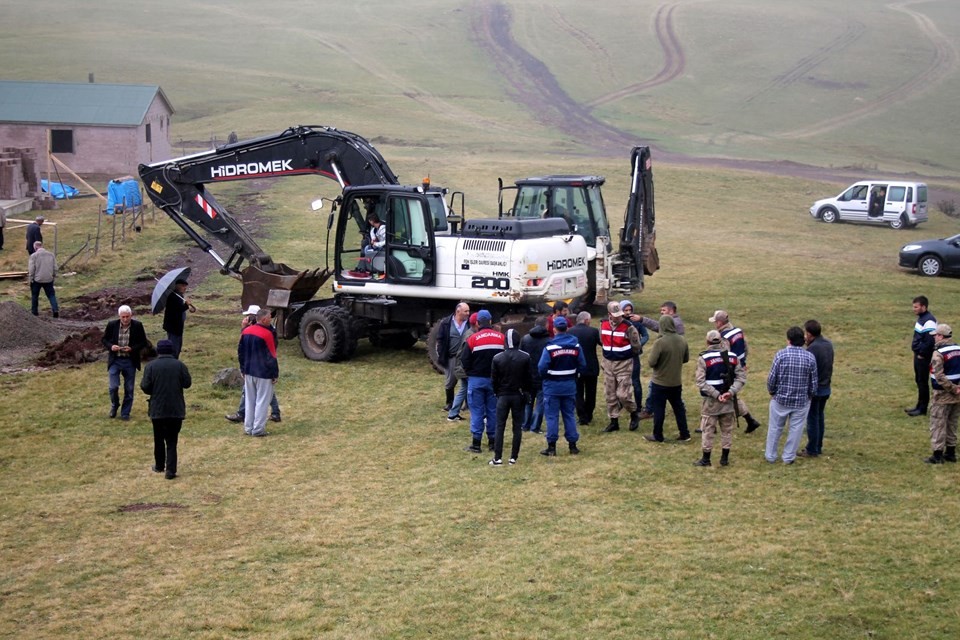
[(103, 304), (74, 349), (22, 330)]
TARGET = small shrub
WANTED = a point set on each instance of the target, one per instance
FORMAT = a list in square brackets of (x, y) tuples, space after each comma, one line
[(948, 208)]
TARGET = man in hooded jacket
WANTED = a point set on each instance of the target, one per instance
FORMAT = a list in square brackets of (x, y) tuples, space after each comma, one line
[(666, 360), (512, 384)]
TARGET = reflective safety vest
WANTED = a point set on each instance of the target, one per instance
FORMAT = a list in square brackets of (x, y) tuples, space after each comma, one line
[(715, 368), (951, 365), (738, 345), (615, 341)]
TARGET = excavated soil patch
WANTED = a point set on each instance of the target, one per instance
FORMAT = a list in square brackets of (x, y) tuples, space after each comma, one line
[(22, 330), (75, 349)]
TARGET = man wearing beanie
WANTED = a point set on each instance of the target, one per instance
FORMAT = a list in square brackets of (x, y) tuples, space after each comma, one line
[(720, 378), (512, 384), (164, 380), (945, 408), (477, 358), (619, 342), (562, 359)]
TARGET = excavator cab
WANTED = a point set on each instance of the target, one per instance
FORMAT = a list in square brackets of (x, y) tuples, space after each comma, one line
[(576, 199), (408, 256)]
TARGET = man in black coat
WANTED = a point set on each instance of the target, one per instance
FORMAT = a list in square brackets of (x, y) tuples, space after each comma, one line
[(175, 315), (34, 234), (124, 338), (589, 338), (512, 384), (164, 380), (533, 345)]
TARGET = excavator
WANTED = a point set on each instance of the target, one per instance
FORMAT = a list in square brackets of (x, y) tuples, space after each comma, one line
[(390, 288), (578, 200)]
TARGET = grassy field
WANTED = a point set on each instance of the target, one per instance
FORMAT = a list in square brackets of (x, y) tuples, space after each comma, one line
[(361, 516)]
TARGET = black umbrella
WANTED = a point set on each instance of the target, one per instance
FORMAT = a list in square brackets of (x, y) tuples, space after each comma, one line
[(165, 287)]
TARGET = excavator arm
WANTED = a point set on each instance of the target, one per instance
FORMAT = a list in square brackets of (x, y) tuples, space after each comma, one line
[(638, 252), (179, 186)]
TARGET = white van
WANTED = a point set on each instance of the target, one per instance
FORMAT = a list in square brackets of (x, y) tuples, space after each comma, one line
[(902, 205)]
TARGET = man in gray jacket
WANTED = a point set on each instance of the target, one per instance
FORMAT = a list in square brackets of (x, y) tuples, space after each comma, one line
[(41, 272)]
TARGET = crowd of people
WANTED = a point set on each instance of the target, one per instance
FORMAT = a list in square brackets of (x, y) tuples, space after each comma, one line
[(551, 374)]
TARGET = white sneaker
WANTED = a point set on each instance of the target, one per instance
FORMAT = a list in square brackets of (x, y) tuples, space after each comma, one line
[(496, 462), (513, 461)]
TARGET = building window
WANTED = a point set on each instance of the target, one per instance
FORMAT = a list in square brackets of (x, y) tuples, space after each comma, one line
[(61, 141), (148, 133)]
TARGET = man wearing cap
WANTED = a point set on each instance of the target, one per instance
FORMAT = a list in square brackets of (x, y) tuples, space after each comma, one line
[(945, 409), (164, 380), (667, 357), (450, 336), (637, 321), (619, 342), (512, 384), (735, 342), (719, 377), (175, 315), (562, 359), (589, 339), (923, 345), (34, 234), (123, 339), (257, 353), (792, 382), (477, 358), (250, 318), (41, 272)]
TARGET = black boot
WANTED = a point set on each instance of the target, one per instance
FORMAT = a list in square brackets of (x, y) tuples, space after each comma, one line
[(613, 426), (551, 449), (950, 455), (752, 424), (634, 420), (573, 449), (724, 457), (704, 461), (936, 458), (475, 447), (450, 394), (491, 443)]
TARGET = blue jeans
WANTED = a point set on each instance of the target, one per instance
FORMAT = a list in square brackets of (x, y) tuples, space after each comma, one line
[(483, 407), (48, 289), (458, 399), (556, 406), (659, 396), (815, 423), (637, 385), (122, 367), (533, 414), (779, 417)]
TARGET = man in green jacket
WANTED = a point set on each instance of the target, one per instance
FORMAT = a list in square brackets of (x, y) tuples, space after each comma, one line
[(666, 360)]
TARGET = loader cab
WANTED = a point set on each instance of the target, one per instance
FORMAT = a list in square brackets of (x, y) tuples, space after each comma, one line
[(409, 254), (576, 199)]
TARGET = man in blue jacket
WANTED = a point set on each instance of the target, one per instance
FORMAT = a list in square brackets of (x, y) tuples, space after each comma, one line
[(562, 359), (257, 353)]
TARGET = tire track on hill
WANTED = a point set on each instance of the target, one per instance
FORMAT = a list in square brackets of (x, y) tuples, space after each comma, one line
[(591, 44), (943, 63), (851, 33), (531, 83), (674, 59)]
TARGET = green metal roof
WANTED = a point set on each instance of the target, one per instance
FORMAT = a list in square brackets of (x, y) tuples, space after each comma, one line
[(77, 103)]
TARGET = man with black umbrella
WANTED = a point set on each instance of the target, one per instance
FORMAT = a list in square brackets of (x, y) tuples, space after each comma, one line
[(175, 315)]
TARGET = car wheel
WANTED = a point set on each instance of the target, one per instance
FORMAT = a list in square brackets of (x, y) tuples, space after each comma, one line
[(899, 223), (930, 265), (828, 215)]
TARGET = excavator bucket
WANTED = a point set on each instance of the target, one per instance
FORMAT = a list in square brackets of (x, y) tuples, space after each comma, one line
[(281, 287)]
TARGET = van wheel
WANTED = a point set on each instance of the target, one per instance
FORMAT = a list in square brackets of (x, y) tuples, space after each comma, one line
[(930, 265), (828, 215), (899, 223)]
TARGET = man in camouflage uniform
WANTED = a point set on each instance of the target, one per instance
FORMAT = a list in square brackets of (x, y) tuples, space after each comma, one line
[(945, 408), (619, 341), (735, 342), (719, 389)]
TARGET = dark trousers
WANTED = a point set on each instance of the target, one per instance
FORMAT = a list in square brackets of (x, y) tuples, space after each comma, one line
[(659, 397), (815, 424), (921, 373), (586, 398), (166, 432), (50, 292), (637, 385), (509, 404)]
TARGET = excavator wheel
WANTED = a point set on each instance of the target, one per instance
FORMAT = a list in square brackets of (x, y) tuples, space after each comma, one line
[(351, 331), (432, 337), (324, 334)]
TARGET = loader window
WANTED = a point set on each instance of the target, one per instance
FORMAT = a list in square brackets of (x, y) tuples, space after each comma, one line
[(531, 202)]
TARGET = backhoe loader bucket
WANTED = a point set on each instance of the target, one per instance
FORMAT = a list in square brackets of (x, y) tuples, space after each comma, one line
[(281, 287)]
